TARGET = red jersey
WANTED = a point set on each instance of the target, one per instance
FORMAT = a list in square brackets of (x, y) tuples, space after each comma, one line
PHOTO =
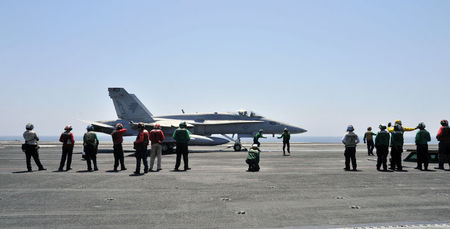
[(156, 136), (117, 136), (67, 138), (142, 138), (443, 134)]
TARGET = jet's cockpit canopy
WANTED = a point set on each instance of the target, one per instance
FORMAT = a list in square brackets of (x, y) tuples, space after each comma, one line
[(246, 113)]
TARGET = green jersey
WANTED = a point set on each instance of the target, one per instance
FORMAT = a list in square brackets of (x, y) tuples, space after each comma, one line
[(253, 154), (90, 138), (422, 137), (181, 135), (286, 136)]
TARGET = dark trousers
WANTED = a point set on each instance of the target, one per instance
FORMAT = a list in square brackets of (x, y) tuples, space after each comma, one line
[(253, 165), (444, 153), (255, 141), (350, 154), (182, 149), (370, 146), (32, 151), (91, 155), (422, 156), (382, 153), (118, 156), (67, 151), (288, 147), (396, 157), (141, 155)]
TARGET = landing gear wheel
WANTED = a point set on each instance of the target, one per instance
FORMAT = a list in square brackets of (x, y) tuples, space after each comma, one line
[(237, 147), (167, 148)]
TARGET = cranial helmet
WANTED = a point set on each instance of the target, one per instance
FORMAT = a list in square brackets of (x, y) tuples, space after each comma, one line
[(286, 129), (444, 122), (119, 126), (350, 128), (29, 126), (183, 124), (421, 126), (382, 127), (141, 125), (156, 126), (89, 127), (369, 128), (255, 146), (261, 130), (398, 122), (68, 127)]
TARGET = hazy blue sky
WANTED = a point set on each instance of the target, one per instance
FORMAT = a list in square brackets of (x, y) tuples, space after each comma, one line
[(317, 64)]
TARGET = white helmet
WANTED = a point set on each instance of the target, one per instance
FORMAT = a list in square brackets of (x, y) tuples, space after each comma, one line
[(68, 127), (29, 126)]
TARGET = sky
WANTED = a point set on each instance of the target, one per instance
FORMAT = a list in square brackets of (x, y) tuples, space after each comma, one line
[(319, 65)]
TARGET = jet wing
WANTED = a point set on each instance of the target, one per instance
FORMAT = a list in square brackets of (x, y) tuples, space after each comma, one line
[(225, 122)]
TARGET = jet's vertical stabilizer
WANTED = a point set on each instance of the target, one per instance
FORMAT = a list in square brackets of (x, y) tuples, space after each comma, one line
[(128, 106)]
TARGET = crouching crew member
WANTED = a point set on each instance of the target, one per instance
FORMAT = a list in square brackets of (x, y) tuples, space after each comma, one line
[(443, 137), (286, 137), (350, 141), (182, 137), (257, 137), (31, 147), (67, 148), (382, 146), (90, 143), (369, 137), (156, 138), (253, 159), (117, 137), (140, 145), (422, 139)]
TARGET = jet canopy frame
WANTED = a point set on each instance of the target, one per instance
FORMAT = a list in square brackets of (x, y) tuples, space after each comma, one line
[(247, 113)]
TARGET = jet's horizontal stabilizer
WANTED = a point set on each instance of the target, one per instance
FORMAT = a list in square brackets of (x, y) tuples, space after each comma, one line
[(128, 106), (100, 127)]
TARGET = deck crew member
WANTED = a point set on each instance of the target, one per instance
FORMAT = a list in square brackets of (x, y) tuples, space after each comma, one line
[(182, 137), (443, 137), (382, 146), (350, 141), (90, 143), (68, 142), (368, 137), (286, 137), (140, 146), (117, 137), (257, 137), (156, 138), (31, 147), (422, 139)]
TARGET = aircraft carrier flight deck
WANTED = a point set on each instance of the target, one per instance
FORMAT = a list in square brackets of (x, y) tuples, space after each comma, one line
[(308, 189)]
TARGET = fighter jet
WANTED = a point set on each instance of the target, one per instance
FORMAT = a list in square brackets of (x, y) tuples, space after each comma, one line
[(242, 124)]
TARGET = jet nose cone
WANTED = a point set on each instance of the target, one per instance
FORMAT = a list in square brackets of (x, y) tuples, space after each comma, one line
[(296, 130)]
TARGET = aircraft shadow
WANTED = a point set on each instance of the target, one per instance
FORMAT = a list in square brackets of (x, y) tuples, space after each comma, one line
[(112, 171), (430, 170), (25, 171), (83, 171), (59, 171)]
